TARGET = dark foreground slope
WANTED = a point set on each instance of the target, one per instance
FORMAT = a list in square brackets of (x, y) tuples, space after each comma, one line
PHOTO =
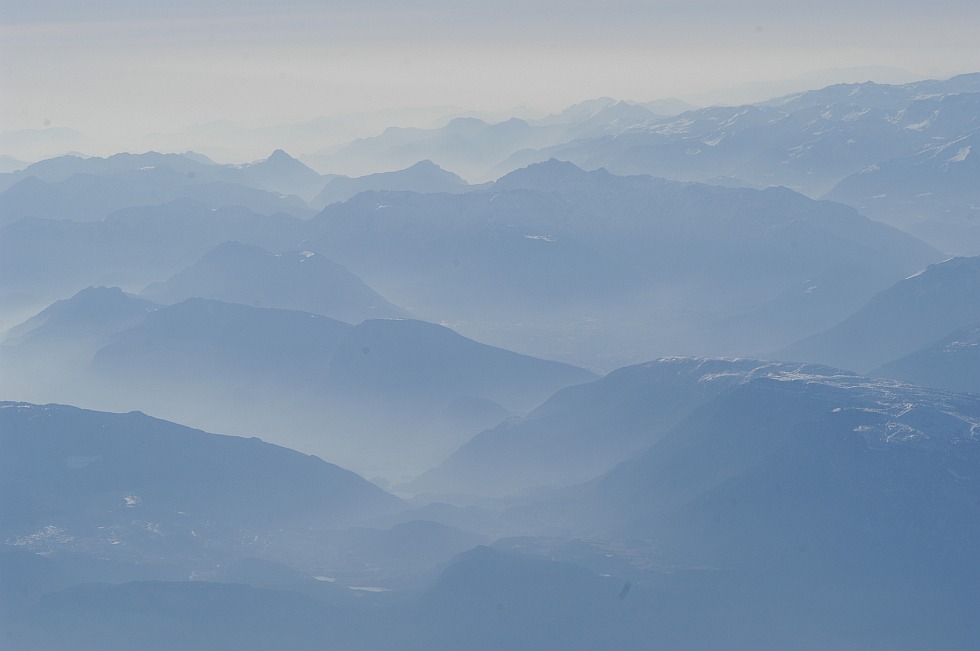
[(794, 509), (83, 480), (804, 510)]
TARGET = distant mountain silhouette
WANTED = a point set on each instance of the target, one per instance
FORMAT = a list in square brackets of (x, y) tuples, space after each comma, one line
[(85, 197), (62, 168), (280, 172), (424, 177), (201, 343), (240, 273), (49, 352), (98, 312), (42, 261), (477, 149)]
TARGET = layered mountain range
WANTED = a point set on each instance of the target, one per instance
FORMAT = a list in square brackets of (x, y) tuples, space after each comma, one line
[(776, 478), (699, 380)]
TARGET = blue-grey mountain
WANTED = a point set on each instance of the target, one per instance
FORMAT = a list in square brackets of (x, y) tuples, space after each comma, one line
[(910, 315), (589, 258), (952, 362), (235, 272), (583, 431), (424, 177)]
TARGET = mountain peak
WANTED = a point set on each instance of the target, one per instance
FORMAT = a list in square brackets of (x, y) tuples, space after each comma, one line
[(547, 176), (281, 160), (92, 305)]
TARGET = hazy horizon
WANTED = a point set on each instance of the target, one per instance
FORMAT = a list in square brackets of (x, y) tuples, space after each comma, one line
[(137, 78)]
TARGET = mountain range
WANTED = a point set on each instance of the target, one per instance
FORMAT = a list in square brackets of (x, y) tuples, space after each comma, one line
[(587, 258), (387, 395), (621, 391), (583, 431), (424, 177), (43, 260), (784, 478), (476, 148), (807, 141)]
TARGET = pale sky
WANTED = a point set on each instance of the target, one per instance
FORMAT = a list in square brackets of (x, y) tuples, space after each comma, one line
[(117, 71)]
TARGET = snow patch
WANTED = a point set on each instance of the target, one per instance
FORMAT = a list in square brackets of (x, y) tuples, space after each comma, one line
[(675, 128), (891, 432), (48, 535), (957, 346), (853, 116), (961, 155), (919, 126), (731, 121), (895, 119)]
